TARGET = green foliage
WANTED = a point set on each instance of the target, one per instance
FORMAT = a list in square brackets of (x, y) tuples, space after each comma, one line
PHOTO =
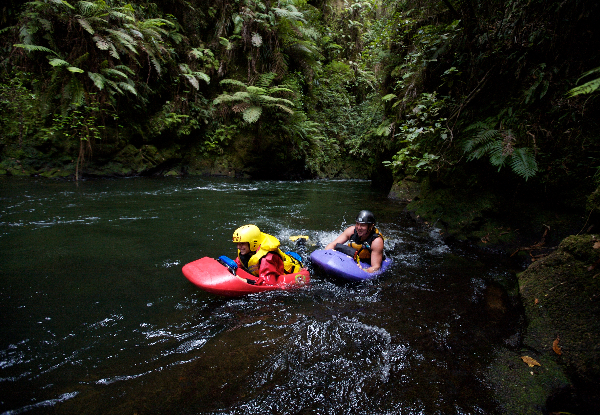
[(589, 87), (251, 100), (499, 146), (422, 130), (397, 81), (19, 110), (79, 125)]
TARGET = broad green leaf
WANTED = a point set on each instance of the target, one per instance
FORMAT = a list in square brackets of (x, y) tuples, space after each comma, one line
[(59, 62)]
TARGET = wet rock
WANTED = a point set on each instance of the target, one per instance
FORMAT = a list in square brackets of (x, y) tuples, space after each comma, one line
[(561, 298), (560, 294), (405, 190)]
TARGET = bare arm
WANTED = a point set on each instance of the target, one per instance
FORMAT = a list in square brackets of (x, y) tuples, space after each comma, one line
[(376, 255), (343, 238)]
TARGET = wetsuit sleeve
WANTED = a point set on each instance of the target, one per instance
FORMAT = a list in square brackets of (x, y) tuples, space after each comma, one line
[(271, 266)]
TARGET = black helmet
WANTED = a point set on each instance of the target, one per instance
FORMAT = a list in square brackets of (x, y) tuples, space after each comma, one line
[(365, 216)]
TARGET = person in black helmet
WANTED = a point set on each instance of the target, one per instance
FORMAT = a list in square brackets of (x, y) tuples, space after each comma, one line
[(365, 239)]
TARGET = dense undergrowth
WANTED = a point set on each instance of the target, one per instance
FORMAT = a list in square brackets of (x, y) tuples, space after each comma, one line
[(468, 93)]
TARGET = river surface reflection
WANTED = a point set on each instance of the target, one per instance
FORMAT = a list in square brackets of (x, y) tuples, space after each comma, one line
[(97, 317)]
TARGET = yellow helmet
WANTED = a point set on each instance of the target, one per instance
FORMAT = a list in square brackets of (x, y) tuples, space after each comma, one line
[(250, 234)]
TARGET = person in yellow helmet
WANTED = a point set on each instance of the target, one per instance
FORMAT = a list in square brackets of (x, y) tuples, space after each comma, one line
[(364, 240), (259, 255)]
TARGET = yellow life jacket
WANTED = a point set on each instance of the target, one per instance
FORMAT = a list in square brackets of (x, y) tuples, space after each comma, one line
[(364, 247), (271, 244)]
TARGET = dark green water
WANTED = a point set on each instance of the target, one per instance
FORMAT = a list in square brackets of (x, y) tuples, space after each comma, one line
[(97, 318)]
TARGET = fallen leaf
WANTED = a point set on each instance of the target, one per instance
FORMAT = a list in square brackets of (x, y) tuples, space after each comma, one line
[(530, 361), (536, 301), (596, 244), (556, 347)]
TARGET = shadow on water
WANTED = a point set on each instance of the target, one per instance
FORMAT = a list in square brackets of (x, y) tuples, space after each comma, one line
[(97, 318)]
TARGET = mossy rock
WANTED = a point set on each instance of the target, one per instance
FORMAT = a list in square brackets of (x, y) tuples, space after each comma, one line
[(561, 295), (405, 190), (520, 389), (461, 214), (57, 172)]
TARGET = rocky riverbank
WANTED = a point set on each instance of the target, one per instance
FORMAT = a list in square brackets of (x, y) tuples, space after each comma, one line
[(553, 365)]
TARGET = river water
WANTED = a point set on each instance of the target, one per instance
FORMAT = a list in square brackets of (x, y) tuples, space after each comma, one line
[(97, 318)]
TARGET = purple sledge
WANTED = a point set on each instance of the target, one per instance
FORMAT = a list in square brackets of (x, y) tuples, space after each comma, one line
[(345, 267)]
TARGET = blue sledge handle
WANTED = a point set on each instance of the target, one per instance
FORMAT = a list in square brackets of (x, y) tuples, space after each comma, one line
[(295, 256), (228, 263)]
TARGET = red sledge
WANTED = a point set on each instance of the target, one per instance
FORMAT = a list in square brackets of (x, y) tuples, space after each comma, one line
[(223, 277)]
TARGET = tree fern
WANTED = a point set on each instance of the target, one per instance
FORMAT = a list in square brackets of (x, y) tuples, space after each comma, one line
[(498, 145), (252, 114), (256, 97)]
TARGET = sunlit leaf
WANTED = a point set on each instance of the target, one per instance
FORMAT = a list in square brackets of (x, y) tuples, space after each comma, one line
[(530, 361)]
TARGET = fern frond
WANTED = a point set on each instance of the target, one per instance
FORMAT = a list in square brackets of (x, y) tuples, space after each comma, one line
[(252, 114), (35, 48), (153, 33), (113, 51), (523, 163), (497, 153), (310, 32), (202, 76), (137, 33), (483, 137), (62, 3), (86, 25), (128, 87), (226, 98), (101, 43), (87, 8), (125, 68), (177, 37), (284, 108), (97, 79), (124, 39), (255, 90), (265, 99), (156, 64), (233, 82), (120, 15), (289, 13), (277, 89), (192, 80), (184, 68), (58, 62), (114, 86), (157, 23), (478, 125), (266, 79), (110, 71)]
